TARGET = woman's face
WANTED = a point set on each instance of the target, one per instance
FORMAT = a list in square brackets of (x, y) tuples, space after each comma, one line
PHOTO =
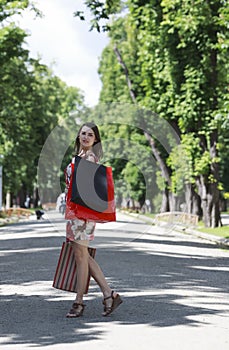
[(86, 137)]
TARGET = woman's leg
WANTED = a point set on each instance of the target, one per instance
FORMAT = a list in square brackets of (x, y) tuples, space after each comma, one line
[(97, 274), (111, 299), (81, 256)]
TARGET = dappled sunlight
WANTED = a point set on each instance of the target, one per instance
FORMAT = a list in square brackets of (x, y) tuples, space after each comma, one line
[(26, 251), (166, 280)]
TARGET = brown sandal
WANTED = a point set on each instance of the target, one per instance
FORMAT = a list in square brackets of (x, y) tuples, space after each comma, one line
[(116, 301), (76, 310)]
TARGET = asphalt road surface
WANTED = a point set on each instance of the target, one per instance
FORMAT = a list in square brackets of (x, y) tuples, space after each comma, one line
[(175, 290)]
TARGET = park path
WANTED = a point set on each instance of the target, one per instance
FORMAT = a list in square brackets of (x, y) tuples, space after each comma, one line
[(175, 289)]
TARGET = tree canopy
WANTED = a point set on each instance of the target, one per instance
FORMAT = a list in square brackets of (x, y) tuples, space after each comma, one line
[(33, 101), (171, 58)]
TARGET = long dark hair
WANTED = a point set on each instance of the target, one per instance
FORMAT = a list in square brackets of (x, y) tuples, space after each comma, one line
[(97, 146)]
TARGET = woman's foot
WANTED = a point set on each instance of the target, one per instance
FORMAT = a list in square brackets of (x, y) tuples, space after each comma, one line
[(111, 303), (76, 310)]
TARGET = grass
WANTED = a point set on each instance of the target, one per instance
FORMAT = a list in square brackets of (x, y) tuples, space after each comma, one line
[(217, 231), (222, 232), (150, 215)]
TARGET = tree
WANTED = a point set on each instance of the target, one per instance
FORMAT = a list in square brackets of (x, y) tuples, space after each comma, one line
[(201, 35), (132, 91), (33, 101), (180, 59)]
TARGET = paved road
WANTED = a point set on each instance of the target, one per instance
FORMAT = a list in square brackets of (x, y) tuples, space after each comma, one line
[(175, 289)]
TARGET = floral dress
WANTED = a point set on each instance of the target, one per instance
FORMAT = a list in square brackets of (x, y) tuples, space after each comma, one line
[(78, 229)]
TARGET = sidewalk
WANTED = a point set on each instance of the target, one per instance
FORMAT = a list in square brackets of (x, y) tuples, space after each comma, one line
[(222, 242)]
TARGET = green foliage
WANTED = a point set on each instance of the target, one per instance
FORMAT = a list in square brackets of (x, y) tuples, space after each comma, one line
[(224, 154), (11, 7), (135, 180), (32, 103), (100, 12), (125, 149), (176, 53)]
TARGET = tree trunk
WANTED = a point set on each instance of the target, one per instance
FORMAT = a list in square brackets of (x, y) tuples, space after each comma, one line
[(8, 200), (209, 194), (168, 200), (35, 198), (196, 204), (215, 204), (212, 210), (165, 201), (192, 201), (204, 199)]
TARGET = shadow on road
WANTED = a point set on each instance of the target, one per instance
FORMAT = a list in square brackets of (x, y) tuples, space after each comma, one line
[(153, 283)]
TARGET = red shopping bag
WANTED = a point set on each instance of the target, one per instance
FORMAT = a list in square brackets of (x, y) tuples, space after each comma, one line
[(91, 192), (65, 275)]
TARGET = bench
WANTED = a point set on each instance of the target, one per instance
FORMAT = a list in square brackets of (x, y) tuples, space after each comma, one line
[(176, 218), (18, 212)]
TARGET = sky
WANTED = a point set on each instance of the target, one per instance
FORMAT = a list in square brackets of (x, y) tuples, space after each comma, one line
[(65, 43)]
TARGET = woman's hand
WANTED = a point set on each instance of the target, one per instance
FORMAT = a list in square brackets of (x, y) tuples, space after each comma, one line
[(82, 153), (88, 155)]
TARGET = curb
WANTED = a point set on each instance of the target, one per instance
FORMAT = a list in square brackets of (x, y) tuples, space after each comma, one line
[(221, 242)]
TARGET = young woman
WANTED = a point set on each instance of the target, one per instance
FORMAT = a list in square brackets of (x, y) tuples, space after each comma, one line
[(80, 232)]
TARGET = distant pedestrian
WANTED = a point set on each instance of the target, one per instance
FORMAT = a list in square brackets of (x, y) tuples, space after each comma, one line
[(61, 203), (27, 202), (79, 232), (39, 214)]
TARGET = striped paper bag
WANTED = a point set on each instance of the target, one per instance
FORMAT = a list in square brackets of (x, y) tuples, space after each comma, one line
[(65, 275)]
